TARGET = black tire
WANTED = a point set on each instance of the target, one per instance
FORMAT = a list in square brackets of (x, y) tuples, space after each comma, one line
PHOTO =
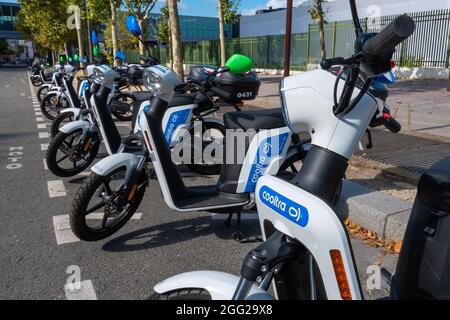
[(50, 107), (93, 185), (60, 121), (129, 99), (59, 149), (41, 93), (207, 169), (183, 295), (37, 82)]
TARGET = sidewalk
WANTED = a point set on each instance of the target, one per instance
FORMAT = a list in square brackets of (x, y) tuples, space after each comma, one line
[(421, 106)]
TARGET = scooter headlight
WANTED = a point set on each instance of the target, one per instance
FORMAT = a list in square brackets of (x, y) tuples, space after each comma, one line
[(153, 82), (284, 107), (162, 81)]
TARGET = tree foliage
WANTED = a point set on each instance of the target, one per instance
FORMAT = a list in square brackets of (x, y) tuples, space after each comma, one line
[(46, 22), (230, 10), (162, 27)]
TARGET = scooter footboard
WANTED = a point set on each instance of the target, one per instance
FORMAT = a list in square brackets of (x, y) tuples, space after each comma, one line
[(220, 285)]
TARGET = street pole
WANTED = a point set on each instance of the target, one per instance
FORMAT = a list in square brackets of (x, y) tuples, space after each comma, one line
[(287, 39), (91, 55)]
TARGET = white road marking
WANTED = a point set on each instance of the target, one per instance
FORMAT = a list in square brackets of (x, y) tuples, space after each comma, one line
[(63, 233), (22, 94), (56, 189), (84, 174), (245, 217), (38, 114), (43, 125), (99, 216), (123, 124), (7, 86), (40, 119), (45, 165), (44, 135), (44, 146), (86, 291)]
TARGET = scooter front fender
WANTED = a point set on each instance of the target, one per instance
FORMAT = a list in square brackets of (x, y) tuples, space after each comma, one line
[(220, 285), (116, 161), (84, 126), (75, 111)]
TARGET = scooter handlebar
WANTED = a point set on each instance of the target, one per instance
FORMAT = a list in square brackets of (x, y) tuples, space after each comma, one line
[(384, 42)]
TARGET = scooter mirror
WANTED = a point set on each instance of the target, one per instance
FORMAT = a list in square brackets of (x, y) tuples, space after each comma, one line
[(133, 26), (120, 55), (94, 38), (239, 63)]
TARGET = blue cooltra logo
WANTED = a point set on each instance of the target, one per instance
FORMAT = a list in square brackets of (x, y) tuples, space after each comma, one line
[(266, 151), (176, 119), (285, 207), (84, 87)]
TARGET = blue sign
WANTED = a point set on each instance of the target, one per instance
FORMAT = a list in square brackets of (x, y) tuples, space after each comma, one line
[(263, 157), (176, 120), (284, 206)]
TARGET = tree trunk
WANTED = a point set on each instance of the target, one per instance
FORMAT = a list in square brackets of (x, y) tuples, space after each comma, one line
[(323, 52), (223, 58), (176, 38), (114, 29), (88, 24), (141, 22)]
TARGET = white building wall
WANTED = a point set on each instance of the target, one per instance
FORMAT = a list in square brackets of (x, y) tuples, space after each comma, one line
[(274, 23)]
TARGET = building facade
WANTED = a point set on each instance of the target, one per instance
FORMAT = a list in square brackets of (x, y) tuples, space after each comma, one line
[(274, 22), (8, 17), (195, 28)]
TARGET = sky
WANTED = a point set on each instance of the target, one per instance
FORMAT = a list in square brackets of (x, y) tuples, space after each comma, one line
[(208, 8)]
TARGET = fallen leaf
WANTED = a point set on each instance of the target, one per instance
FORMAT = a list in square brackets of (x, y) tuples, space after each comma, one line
[(398, 246)]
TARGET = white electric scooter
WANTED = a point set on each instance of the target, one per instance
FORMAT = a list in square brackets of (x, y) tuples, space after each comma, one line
[(307, 253)]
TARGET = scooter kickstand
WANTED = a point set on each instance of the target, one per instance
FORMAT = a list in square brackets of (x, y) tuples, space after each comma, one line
[(229, 219), (240, 237)]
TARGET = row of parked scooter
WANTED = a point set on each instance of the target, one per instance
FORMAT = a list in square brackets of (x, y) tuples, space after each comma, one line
[(292, 183)]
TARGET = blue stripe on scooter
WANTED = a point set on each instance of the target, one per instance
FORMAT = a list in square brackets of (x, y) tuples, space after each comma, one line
[(264, 155), (176, 119), (284, 206)]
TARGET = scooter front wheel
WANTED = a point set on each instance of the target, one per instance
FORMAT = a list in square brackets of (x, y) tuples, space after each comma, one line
[(60, 121), (103, 205), (41, 93), (68, 155), (51, 105), (183, 294)]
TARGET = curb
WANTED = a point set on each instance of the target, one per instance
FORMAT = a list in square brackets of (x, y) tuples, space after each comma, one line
[(374, 210)]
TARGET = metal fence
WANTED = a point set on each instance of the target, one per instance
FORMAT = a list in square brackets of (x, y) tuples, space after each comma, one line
[(429, 46)]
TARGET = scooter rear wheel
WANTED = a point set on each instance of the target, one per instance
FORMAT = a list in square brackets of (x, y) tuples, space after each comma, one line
[(183, 294), (106, 193)]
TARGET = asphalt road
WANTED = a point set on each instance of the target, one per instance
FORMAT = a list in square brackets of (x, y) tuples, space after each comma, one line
[(36, 254)]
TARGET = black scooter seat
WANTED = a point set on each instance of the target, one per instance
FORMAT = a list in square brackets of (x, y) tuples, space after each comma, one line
[(179, 100), (143, 96), (255, 119)]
